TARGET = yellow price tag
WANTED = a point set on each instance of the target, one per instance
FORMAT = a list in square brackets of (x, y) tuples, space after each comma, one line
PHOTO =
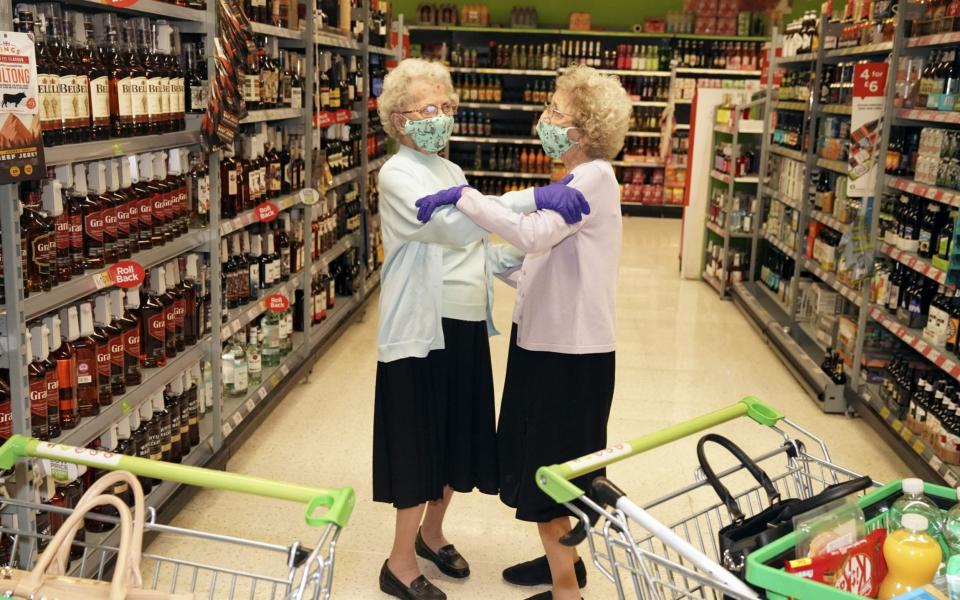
[(275, 379), (897, 425), (906, 434), (884, 412), (919, 447)]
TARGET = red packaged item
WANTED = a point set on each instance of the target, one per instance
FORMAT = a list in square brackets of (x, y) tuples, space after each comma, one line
[(858, 568)]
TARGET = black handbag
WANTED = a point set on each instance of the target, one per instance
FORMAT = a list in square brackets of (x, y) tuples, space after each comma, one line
[(746, 534)]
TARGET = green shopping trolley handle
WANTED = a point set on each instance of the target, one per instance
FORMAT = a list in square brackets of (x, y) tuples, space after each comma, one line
[(339, 502), (555, 479)]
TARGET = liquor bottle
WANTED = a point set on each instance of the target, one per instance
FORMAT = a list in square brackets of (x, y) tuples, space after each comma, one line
[(64, 330), (154, 72), (141, 173), (160, 234), (183, 405), (38, 239), (110, 320), (141, 441), (254, 364), (74, 88), (153, 324), (270, 350), (274, 184), (92, 222), (170, 403), (226, 369), (117, 80), (177, 315), (199, 193), (152, 424), (121, 209), (107, 215), (127, 315), (134, 52), (953, 323), (88, 401), (283, 243), (103, 335), (240, 373), (194, 399), (286, 332), (128, 211), (176, 183), (166, 300), (228, 184), (195, 99), (37, 384), (52, 383), (188, 290), (48, 75)]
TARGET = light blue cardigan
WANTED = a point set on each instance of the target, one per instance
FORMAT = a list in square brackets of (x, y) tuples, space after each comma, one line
[(411, 283)]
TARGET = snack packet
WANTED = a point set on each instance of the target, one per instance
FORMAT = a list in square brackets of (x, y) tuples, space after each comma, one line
[(858, 568)]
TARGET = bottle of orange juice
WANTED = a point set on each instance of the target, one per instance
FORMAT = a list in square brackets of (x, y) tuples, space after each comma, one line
[(912, 556)]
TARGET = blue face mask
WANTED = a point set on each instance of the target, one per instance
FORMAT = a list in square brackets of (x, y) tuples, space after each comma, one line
[(554, 139), (430, 134)]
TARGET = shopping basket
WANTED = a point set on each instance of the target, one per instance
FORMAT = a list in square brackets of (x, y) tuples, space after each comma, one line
[(673, 553), (292, 572)]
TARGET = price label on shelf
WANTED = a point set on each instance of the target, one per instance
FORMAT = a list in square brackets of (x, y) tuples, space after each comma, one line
[(950, 478), (119, 3), (866, 126), (309, 196), (126, 274), (237, 419), (250, 405), (227, 429), (262, 392), (266, 212), (936, 463)]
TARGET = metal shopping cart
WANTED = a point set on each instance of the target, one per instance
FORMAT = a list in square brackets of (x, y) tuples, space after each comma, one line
[(656, 561), (292, 572)]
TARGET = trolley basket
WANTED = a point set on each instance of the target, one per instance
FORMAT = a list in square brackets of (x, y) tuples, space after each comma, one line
[(283, 572)]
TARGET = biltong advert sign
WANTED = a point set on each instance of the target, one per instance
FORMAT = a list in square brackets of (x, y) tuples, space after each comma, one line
[(21, 140)]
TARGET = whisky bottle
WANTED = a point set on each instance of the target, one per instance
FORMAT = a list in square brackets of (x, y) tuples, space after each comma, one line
[(92, 219), (74, 88), (183, 405), (139, 115), (160, 233), (228, 184), (179, 306), (103, 336), (121, 204), (97, 184), (48, 79), (132, 342), (199, 191), (98, 80), (130, 208), (61, 330), (118, 381), (188, 289), (118, 78), (141, 172), (52, 382), (88, 402), (154, 73), (153, 327), (162, 418), (39, 236), (141, 441), (194, 399), (171, 404), (240, 375), (37, 384), (165, 297)]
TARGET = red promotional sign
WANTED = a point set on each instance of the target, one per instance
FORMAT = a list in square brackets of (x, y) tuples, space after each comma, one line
[(372, 104), (342, 115), (869, 80), (119, 3), (266, 212), (324, 119), (126, 274), (276, 302)]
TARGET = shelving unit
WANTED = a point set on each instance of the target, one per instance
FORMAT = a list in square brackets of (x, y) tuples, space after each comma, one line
[(224, 416)]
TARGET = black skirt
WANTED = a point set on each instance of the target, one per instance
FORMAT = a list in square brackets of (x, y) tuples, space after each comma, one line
[(434, 421), (555, 408)]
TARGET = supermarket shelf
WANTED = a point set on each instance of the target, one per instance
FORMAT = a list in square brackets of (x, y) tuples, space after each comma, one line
[(798, 58), (499, 71), (865, 50), (914, 262), (510, 174), (831, 280), (748, 126), (837, 166), (376, 163), (937, 39), (765, 291), (914, 339), (336, 40), (790, 105), (807, 328), (726, 178), (594, 33), (794, 204), (713, 281), (780, 245), (238, 318), (381, 50), (638, 164), (343, 307), (730, 72), (117, 147), (644, 134), (649, 103), (249, 217), (84, 285), (716, 229), (494, 139), (829, 220), (948, 117), (153, 381), (942, 195), (503, 106), (147, 7), (836, 109), (272, 114), (629, 73), (345, 177), (371, 283), (279, 32), (682, 126), (641, 209), (683, 101), (789, 153), (342, 245)]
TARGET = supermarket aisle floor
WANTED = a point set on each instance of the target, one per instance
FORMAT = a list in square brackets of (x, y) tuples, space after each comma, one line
[(681, 352)]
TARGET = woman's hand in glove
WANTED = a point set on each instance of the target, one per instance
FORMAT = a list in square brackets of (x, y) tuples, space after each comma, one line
[(430, 203), (558, 197)]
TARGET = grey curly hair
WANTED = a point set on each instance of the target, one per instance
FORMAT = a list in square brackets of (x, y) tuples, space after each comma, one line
[(396, 88)]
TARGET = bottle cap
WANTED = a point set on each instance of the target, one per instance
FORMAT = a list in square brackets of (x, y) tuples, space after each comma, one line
[(36, 344), (176, 386), (69, 324), (97, 177), (168, 271), (157, 400), (176, 273), (113, 174), (132, 297), (80, 179), (145, 166), (52, 197), (86, 319), (159, 166), (109, 438), (256, 247), (123, 429), (52, 324), (146, 411), (101, 310), (158, 282), (130, 173), (192, 266), (914, 522), (912, 485), (135, 420), (116, 302), (175, 162), (64, 175), (45, 341)]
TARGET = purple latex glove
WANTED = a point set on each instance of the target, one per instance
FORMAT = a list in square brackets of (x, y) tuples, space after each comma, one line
[(430, 203), (558, 197)]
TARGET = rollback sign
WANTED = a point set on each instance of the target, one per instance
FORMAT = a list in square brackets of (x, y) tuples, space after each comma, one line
[(21, 141)]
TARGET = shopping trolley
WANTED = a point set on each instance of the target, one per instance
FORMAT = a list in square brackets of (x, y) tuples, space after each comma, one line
[(292, 572), (681, 560)]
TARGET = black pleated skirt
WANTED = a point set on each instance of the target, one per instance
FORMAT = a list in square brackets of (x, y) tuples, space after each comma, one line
[(434, 421), (555, 408)]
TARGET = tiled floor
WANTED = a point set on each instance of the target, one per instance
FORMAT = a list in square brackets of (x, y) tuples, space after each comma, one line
[(681, 352)]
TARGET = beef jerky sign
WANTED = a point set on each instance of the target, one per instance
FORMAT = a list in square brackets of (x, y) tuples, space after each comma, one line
[(21, 141)]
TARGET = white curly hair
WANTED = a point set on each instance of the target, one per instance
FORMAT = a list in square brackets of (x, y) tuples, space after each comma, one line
[(601, 109), (396, 88)]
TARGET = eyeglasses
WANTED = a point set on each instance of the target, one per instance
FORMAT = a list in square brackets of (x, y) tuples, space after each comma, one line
[(551, 112), (432, 110)]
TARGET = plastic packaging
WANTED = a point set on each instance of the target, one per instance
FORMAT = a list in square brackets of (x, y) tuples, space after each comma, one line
[(912, 555), (951, 529), (829, 528), (914, 501)]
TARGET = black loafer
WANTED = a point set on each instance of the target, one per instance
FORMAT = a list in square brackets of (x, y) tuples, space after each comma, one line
[(537, 572), (420, 588), (447, 559)]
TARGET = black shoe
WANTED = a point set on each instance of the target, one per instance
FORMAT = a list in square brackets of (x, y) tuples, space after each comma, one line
[(447, 559), (537, 572), (543, 596), (420, 588)]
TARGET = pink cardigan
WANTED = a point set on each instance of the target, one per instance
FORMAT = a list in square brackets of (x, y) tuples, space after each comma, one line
[(567, 286)]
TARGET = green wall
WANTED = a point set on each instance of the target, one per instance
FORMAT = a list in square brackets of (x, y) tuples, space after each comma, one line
[(618, 14)]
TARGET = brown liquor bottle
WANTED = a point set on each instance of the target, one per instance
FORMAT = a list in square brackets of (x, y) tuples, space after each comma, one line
[(71, 227), (161, 201), (179, 306), (139, 115), (184, 405), (156, 122), (193, 401), (163, 49), (132, 344), (92, 216), (98, 79), (118, 78), (53, 384), (122, 205), (88, 401), (170, 401), (166, 299), (39, 233), (153, 329), (105, 336), (97, 183), (66, 357), (48, 82), (52, 202), (228, 184), (162, 417), (118, 382), (141, 172), (191, 325), (37, 384), (246, 176), (141, 441), (132, 204)]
